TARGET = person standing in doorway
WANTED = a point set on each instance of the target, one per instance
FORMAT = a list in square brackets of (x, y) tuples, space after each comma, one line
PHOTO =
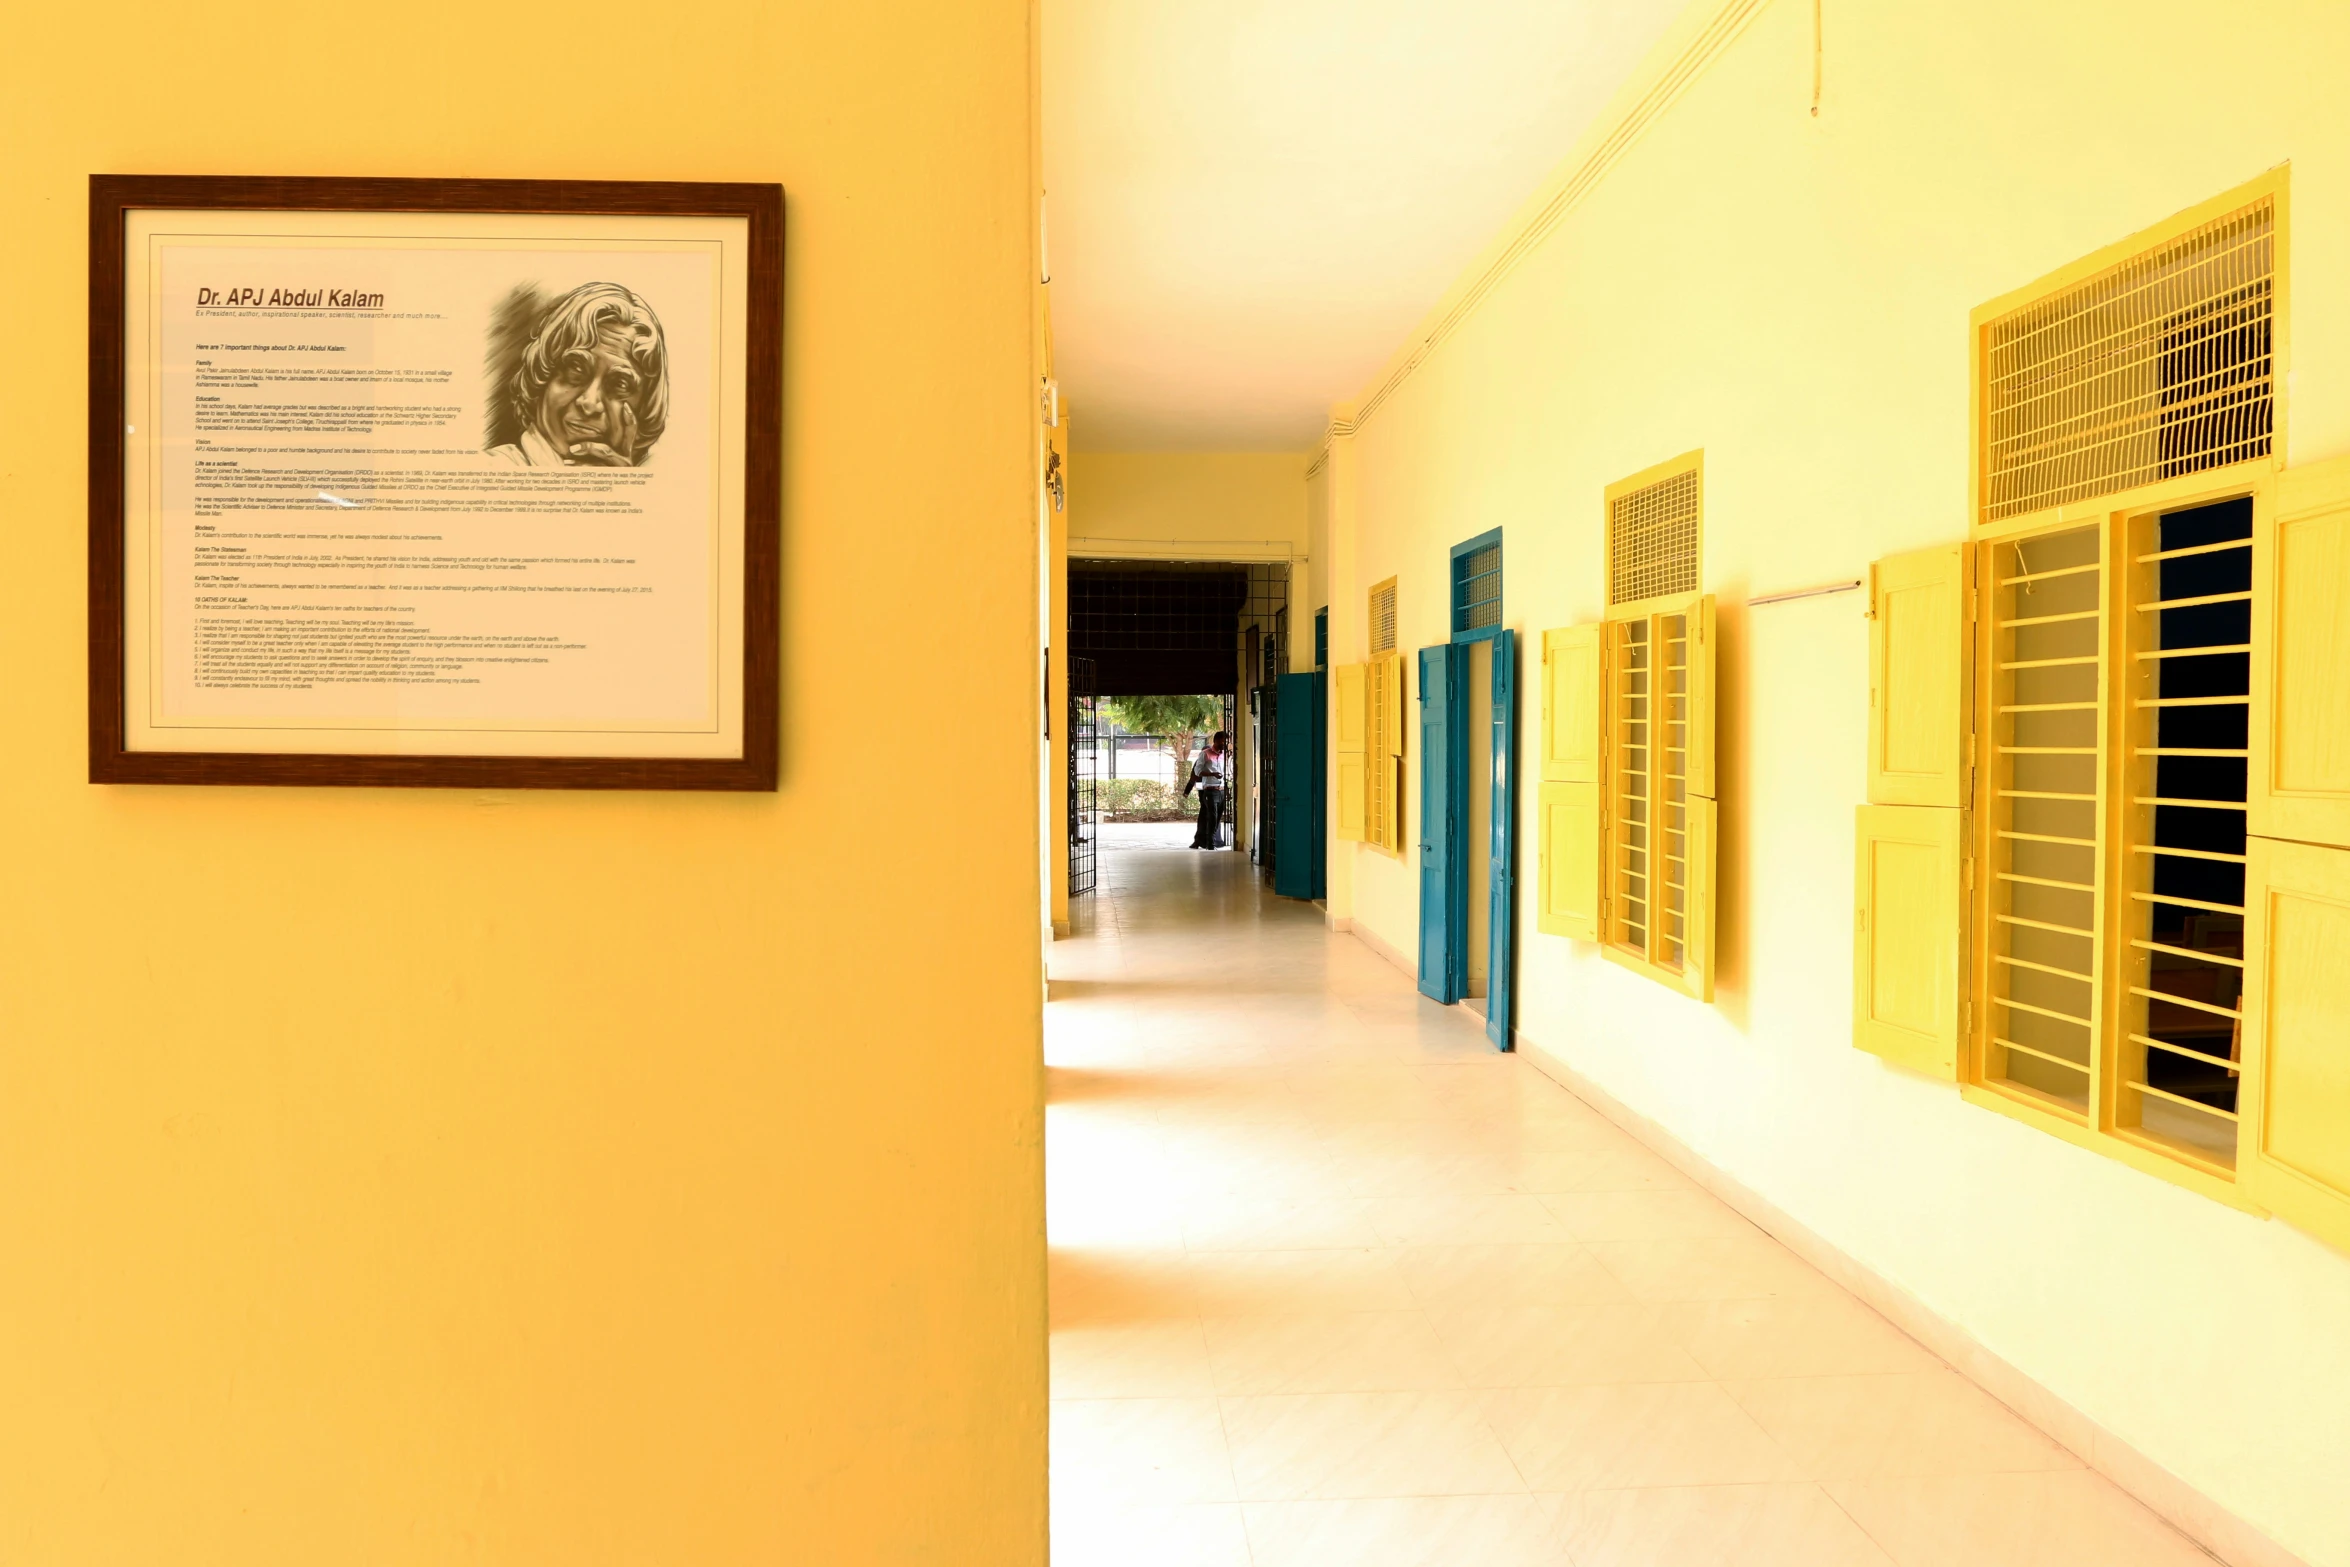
[(1211, 775)]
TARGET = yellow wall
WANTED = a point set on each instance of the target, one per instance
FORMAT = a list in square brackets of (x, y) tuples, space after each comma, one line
[(1791, 294), (1188, 505), (399, 1177)]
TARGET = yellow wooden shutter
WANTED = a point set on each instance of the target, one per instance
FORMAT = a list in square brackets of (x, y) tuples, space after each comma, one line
[(1393, 729), (2300, 769), (1906, 932), (1697, 953), (1569, 839), (1349, 720), (1571, 693), (2295, 1158), (1700, 610), (1570, 861), (1918, 678)]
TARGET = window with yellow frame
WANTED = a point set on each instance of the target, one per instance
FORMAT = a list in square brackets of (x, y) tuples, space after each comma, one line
[(1369, 733), (2109, 832), (1626, 812)]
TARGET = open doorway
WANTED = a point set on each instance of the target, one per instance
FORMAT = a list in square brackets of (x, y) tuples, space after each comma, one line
[(1179, 650), (1468, 794)]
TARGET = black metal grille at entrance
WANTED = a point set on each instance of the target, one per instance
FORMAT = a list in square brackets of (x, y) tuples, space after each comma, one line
[(1158, 630)]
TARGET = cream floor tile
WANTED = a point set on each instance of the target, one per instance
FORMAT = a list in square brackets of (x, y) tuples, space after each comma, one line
[(1295, 1209), (1728, 1267), (1908, 1423), (1195, 1534), (1461, 1278), (1636, 1434), (1119, 1452), (1666, 1213), (1823, 1332), (1552, 1346), (1329, 1445), (1328, 1352), (1447, 1218), (1132, 1360), (1591, 1164), (1713, 1526), (1273, 1281), (1412, 1531), (2071, 1518)]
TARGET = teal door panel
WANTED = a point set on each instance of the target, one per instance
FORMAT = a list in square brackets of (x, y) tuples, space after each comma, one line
[(1501, 987), (1297, 785), (1443, 760)]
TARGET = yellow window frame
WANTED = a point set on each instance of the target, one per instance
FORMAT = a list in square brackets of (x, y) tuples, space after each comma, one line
[(2101, 1123)]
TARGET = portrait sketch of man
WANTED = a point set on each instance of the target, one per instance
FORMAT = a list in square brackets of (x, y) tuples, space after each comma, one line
[(580, 380)]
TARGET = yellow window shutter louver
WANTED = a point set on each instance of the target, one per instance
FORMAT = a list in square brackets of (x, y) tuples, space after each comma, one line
[(1392, 725), (1907, 935), (2295, 1162), (1570, 828), (1349, 723), (1918, 678), (2300, 778)]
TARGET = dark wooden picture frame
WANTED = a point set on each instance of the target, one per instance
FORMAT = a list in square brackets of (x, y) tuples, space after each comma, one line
[(114, 197)]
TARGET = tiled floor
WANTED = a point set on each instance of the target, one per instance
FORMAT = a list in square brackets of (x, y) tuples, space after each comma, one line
[(1336, 1285)]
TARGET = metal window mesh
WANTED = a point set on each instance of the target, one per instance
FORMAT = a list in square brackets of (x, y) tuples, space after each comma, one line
[(2158, 367), (1476, 589), (1383, 618), (1652, 541)]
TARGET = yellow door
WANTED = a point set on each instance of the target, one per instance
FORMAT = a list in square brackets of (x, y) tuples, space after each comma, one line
[(1349, 722), (1918, 678), (2296, 1152), (2300, 777), (1908, 917)]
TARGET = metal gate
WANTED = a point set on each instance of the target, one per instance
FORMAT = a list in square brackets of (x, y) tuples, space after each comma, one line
[(1264, 745), (1084, 766)]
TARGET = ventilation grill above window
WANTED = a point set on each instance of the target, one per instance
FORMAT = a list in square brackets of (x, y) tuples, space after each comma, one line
[(2157, 367), (1476, 589), (1383, 617), (1652, 540)]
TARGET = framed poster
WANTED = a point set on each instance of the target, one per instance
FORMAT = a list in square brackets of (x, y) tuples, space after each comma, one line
[(427, 482)]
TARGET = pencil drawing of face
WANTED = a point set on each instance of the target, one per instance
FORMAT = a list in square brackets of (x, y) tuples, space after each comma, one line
[(591, 385)]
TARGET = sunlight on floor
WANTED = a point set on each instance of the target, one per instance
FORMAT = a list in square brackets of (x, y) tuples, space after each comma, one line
[(1336, 1285)]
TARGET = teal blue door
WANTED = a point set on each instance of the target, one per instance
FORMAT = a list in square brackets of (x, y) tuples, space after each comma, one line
[(1500, 968), (1444, 755), (1297, 786)]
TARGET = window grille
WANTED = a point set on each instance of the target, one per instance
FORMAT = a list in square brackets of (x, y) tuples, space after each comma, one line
[(2048, 829), (1322, 637), (2115, 985), (2187, 731), (1476, 587), (1652, 540), (2159, 366), (1383, 617), (1650, 903)]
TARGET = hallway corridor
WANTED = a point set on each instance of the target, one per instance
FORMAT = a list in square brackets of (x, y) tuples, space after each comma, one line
[(1336, 1285)]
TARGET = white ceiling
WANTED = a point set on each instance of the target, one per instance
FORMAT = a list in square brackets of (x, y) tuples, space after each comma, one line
[(1252, 202)]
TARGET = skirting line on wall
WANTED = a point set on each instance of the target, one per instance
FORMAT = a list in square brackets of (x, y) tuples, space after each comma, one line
[(1370, 938), (2179, 1504)]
